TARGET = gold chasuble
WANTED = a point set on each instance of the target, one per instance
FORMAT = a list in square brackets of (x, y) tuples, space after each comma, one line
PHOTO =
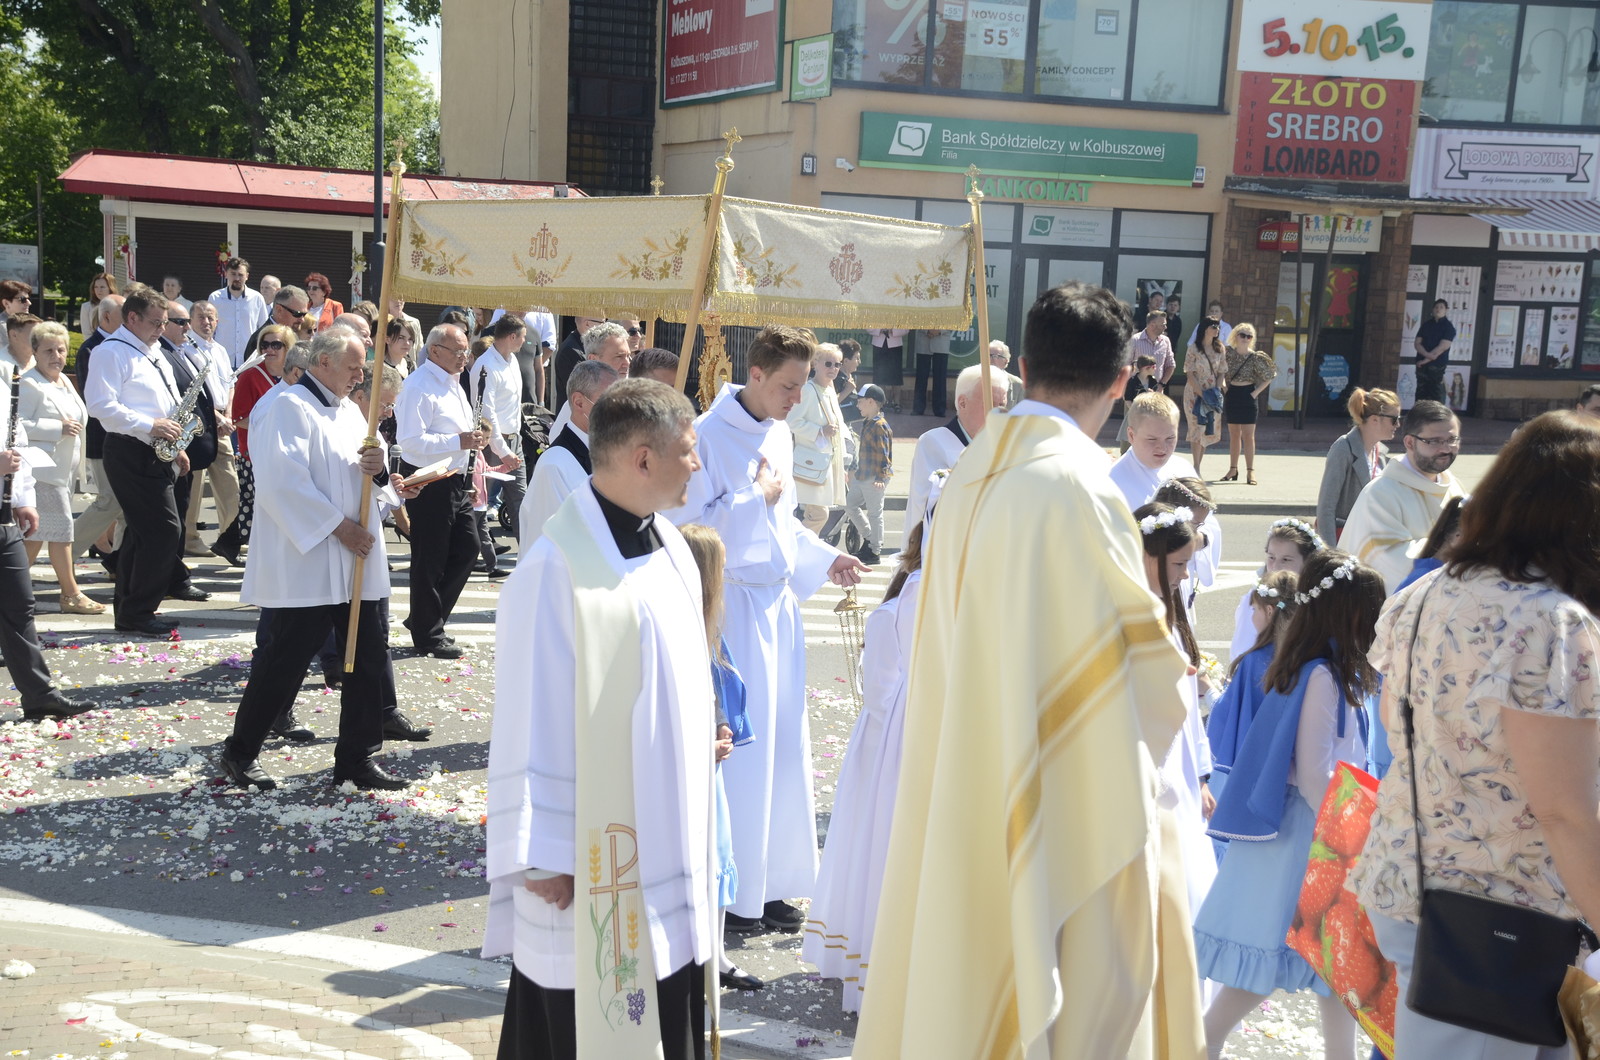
[(615, 992), (1034, 902)]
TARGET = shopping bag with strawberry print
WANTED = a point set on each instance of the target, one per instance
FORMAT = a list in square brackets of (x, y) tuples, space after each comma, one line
[(1330, 929)]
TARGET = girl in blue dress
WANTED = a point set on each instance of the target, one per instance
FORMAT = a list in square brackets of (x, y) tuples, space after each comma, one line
[(1310, 719)]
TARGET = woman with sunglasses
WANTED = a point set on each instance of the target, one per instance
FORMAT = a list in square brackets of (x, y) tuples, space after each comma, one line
[(1356, 458), (16, 298), (323, 308), (273, 345)]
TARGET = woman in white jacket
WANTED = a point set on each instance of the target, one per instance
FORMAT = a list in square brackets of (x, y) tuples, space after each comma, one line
[(53, 416), (820, 439)]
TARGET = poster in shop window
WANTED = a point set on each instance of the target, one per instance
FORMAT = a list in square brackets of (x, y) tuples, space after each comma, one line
[(713, 49), (1532, 338), (1458, 286), (1563, 334), (1538, 281), (1408, 331), (1503, 336)]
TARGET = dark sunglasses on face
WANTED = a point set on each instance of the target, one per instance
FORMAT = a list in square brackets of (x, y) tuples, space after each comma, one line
[(635, 331), (297, 314), (273, 344), (182, 322)]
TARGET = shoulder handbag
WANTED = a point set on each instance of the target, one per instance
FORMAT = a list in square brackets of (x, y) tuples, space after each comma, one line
[(1482, 964), (811, 464)]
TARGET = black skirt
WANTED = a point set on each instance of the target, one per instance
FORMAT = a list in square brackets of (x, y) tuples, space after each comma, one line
[(1239, 405)]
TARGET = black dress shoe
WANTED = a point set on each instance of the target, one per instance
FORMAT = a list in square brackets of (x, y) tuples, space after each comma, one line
[(227, 552), (55, 705), (497, 574), (501, 550), (369, 774), (150, 627), (289, 729), (743, 924), (245, 774), (399, 727), (189, 592), (736, 978), (781, 916), (869, 557), (442, 651)]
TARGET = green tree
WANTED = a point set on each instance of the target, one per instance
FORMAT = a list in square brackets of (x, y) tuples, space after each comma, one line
[(285, 81)]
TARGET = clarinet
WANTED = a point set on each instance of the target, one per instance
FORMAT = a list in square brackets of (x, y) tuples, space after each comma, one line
[(11, 432)]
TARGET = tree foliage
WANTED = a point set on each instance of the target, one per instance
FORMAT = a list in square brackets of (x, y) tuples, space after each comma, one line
[(285, 81)]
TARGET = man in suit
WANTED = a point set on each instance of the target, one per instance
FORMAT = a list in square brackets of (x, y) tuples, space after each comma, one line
[(188, 364), (99, 517)]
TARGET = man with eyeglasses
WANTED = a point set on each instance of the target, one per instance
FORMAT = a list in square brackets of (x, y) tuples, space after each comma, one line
[(240, 311), (188, 365), (433, 422), (132, 390), (1397, 509), (289, 307), (635, 329), (224, 470)]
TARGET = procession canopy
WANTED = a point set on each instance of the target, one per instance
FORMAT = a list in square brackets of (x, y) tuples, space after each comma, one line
[(772, 263)]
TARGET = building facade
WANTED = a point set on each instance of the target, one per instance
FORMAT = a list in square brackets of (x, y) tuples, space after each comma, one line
[(1171, 145)]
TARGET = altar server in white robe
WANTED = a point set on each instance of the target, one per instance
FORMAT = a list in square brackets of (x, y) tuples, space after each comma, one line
[(745, 491), (310, 458), (564, 464), (850, 884), (1152, 456), (942, 446), (601, 758)]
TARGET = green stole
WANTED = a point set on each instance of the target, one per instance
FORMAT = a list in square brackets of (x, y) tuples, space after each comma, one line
[(615, 989)]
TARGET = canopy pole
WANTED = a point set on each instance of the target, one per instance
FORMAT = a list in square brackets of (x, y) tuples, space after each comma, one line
[(702, 278), (380, 342), (975, 198)]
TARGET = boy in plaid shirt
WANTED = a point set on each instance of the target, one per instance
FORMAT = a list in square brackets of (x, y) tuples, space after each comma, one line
[(874, 465)]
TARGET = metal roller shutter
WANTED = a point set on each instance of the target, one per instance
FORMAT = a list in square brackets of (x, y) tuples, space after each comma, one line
[(290, 253), (185, 249)]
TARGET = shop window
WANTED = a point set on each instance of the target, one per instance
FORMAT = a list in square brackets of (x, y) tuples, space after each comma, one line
[(1591, 322), (1156, 53), (1527, 65), (1558, 76)]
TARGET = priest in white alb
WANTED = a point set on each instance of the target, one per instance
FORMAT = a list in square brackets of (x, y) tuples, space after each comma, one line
[(939, 447), (1034, 902), (745, 492), (564, 464), (600, 760)]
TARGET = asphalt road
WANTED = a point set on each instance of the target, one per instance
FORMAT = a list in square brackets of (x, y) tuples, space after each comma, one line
[(121, 811)]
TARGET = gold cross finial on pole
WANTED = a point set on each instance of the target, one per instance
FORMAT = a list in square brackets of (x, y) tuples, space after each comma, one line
[(657, 184), (399, 146), (733, 137), (973, 173)]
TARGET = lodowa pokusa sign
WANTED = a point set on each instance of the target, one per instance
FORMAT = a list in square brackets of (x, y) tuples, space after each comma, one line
[(713, 49)]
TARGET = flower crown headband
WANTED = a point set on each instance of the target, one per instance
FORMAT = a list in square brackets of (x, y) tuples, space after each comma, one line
[(1271, 595), (1187, 492), (1151, 523), (1345, 571), (1303, 527)]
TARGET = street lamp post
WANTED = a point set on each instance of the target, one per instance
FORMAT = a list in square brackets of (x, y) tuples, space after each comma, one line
[(379, 248)]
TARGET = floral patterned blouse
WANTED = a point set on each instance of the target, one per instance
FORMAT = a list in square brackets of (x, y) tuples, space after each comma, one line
[(1249, 370), (1485, 644)]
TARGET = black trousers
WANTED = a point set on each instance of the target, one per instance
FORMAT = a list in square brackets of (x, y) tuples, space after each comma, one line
[(293, 635), (540, 1024), (17, 635), (1430, 381), (888, 365), (153, 535), (444, 544), (937, 366), (181, 489)]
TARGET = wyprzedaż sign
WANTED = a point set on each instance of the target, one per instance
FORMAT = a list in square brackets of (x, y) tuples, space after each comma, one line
[(1306, 127), (1327, 89), (1017, 149), (712, 49)]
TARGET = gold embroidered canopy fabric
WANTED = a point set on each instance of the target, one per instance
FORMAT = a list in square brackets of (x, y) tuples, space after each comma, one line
[(773, 263)]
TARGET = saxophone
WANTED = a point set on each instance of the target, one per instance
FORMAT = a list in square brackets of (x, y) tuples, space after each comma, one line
[(188, 421)]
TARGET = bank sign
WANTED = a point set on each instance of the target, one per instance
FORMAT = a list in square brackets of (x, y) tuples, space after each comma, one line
[(1018, 149)]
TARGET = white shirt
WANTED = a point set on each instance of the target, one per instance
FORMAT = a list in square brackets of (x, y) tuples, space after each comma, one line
[(1138, 481), (22, 490), (554, 478), (306, 456), (497, 381), (219, 380), (130, 385), (431, 413), (238, 317), (938, 448), (541, 325)]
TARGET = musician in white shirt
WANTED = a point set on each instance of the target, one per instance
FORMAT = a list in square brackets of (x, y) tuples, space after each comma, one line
[(131, 390), (433, 422), (496, 384)]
